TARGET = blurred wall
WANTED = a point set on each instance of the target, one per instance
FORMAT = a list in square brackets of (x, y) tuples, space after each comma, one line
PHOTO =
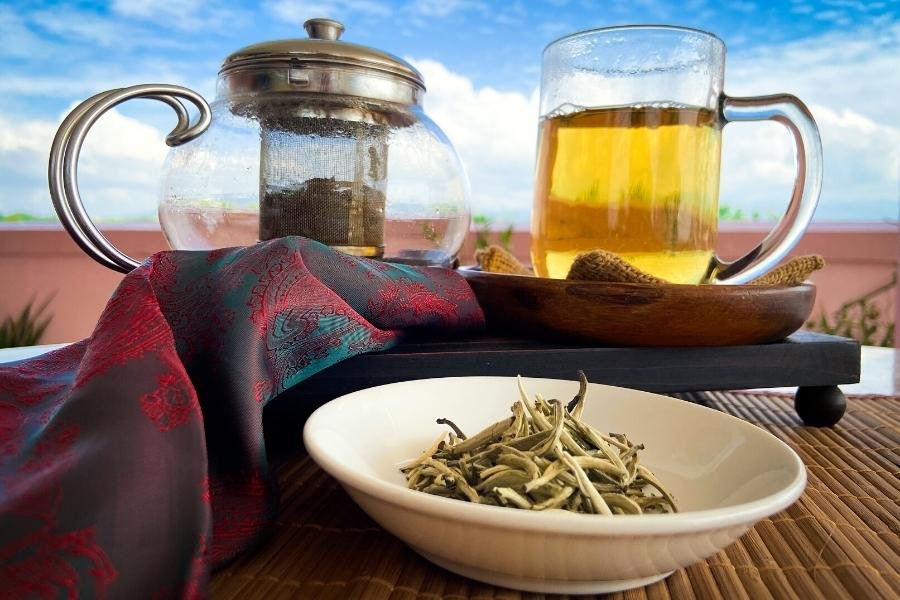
[(37, 261)]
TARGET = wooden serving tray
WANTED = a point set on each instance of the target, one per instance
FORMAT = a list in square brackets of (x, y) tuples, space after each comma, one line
[(815, 362), (633, 314)]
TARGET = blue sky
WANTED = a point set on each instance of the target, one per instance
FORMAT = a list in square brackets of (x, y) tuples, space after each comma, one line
[(481, 62)]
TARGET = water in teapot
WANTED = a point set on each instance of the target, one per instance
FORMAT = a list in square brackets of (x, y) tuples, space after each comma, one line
[(212, 227)]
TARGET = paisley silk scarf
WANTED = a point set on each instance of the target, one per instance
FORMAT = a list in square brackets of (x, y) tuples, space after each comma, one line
[(133, 462)]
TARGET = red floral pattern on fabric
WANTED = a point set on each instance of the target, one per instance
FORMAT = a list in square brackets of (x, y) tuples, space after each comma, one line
[(34, 381), (169, 389), (162, 270), (206, 495), (275, 289), (55, 447), (36, 481), (288, 306), (219, 253), (12, 420), (130, 327), (262, 389), (241, 506), (411, 302), (198, 573), (376, 340), (39, 564), (198, 576), (290, 352), (194, 308), (172, 404)]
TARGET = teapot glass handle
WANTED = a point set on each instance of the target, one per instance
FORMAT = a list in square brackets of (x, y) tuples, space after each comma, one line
[(63, 167), (793, 114)]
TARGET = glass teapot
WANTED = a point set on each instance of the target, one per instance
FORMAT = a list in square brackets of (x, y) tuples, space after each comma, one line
[(314, 137)]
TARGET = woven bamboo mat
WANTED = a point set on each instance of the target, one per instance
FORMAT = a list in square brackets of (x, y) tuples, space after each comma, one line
[(840, 540)]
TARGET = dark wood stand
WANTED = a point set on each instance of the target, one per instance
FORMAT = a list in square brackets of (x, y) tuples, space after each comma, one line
[(815, 363)]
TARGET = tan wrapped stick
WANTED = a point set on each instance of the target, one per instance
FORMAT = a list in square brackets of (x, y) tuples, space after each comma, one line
[(495, 259), (600, 265), (793, 272)]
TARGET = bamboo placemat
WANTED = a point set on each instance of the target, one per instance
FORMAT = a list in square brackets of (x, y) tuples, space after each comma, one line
[(840, 540)]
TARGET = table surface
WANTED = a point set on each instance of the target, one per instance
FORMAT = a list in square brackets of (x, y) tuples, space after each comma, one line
[(880, 368), (839, 540)]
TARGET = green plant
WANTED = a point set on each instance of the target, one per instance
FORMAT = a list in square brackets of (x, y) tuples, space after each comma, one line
[(27, 327), (505, 238), (483, 232), (429, 232), (860, 319), (22, 217), (727, 213)]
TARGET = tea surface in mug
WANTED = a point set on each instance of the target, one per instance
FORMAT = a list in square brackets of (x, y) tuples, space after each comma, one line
[(640, 181)]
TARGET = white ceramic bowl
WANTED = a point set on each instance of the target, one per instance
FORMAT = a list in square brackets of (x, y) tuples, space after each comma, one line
[(725, 473)]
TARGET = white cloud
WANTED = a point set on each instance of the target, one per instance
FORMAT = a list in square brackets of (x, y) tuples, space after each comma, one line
[(119, 165), (301, 10), (846, 79), (849, 79), (555, 29), (118, 136), (493, 131), (155, 8), (182, 14), (843, 77), (18, 40), (444, 8), (853, 69), (31, 136), (84, 81), (836, 17), (77, 25), (862, 162), (41, 36)]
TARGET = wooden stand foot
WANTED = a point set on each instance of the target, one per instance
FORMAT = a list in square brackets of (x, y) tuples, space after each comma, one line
[(820, 405)]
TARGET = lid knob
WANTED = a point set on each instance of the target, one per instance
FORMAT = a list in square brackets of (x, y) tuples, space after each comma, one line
[(323, 29)]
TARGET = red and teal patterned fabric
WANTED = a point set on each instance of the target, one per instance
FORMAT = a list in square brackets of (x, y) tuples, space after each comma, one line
[(133, 462)]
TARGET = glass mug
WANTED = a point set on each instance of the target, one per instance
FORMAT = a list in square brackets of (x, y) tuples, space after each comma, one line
[(629, 151)]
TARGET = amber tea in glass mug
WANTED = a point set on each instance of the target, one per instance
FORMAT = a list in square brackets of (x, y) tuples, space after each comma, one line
[(629, 154)]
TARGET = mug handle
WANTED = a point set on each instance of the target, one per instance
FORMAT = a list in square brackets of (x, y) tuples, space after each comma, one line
[(66, 148), (793, 114)]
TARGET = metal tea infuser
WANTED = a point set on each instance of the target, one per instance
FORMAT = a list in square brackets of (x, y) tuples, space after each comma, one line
[(315, 137)]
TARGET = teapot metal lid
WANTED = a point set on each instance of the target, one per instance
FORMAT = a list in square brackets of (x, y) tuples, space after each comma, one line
[(322, 63)]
